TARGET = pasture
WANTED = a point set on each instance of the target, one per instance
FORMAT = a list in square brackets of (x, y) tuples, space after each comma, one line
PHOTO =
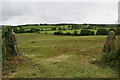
[(51, 56)]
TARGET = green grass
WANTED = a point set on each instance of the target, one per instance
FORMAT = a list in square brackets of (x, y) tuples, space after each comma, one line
[(53, 56), (65, 31)]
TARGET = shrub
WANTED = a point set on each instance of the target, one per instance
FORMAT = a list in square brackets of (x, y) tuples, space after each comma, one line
[(8, 41), (111, 59), (21, 31), (117, 31), (53, 28), (102, 32), (28, 31), (64, 29), (88, 28), (108, 57), (68, 33), (59, 29), (75, 33), (42, 30), (34, 30), (37, 30), (92, 33), (16, 30), (58, 33), (87, 32), (111, 30)]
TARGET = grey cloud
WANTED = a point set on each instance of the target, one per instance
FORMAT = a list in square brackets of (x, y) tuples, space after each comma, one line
[(60, 0), (11, 10), (56, 12)]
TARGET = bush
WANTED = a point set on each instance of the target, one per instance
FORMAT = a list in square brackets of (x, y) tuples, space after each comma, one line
[(59, 29), (34, 30), (42, 30), (7, 40), (16, 30), (117, 31), (111, 59), (53, 28), (92, 33), (87, 32), (111, 30), (21, 31), (68, 33), (64, 29), (28, 31), (75, 33), (58, 33), (88, 28), (108, 57), (102, 32)]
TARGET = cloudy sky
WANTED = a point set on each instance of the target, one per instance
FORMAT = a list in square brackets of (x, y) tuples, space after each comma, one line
[(14, 12)]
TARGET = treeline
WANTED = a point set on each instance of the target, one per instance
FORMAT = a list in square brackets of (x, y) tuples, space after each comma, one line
[(85, 32), (33, 30), (65, 24)]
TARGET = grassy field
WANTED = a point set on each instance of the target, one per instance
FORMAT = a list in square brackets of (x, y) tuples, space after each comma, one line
[(65, 31), (51, 56)]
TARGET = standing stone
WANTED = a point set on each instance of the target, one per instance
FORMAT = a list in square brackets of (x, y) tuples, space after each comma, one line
[(108, 44), (118, 33)]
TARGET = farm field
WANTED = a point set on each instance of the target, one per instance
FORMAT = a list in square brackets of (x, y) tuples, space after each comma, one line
[(65, 31), (51, 56)]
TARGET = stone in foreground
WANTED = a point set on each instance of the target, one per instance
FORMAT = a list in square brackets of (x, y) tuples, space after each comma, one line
[(108, 44)]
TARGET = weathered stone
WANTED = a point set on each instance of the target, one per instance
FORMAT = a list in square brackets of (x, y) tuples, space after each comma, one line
[(118, 34), (108, 44)]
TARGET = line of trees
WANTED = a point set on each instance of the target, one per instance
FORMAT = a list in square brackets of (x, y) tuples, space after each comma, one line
[(84, 32), (75, 33), (63, 24), (33, 30)]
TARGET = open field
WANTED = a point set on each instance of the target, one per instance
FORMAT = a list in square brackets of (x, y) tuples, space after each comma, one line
[(53, 56), (65, 31)]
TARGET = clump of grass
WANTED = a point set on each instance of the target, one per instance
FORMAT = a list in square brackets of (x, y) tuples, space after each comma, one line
[(81, 73), (111, 59)]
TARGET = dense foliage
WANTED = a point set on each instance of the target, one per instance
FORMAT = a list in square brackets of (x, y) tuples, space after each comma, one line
[(75, 33), (102, 32), (53, 28), (87, 32), (8, 42), (32, 30), (58, 33)]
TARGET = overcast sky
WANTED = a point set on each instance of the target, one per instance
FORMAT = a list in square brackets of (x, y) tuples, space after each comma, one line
[(16, 12)]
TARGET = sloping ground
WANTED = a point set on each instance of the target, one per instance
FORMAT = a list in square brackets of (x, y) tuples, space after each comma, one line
[(52, 56)]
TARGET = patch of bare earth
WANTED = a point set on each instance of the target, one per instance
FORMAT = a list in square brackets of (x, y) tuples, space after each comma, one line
[(58, 58)]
